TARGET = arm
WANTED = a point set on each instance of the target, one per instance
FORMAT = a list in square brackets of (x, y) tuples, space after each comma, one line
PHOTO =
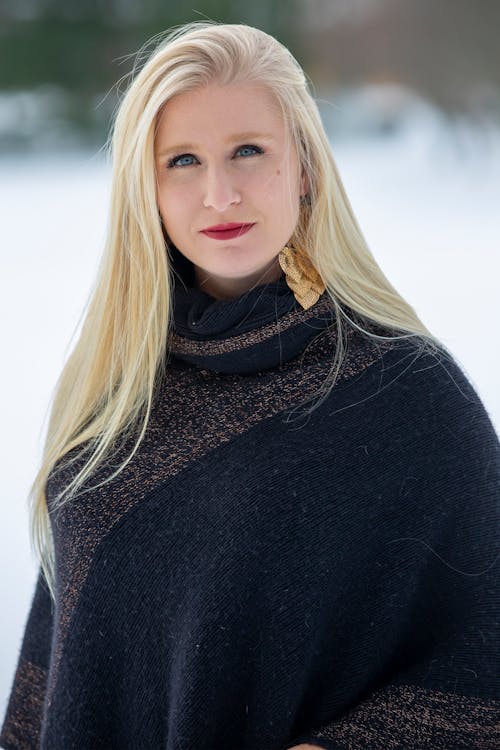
[(23, 719)]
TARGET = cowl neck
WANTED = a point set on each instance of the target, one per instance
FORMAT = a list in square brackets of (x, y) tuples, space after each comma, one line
[(260, 329)]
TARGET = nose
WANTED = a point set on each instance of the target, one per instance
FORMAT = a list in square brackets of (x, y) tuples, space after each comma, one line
[(220, 191)]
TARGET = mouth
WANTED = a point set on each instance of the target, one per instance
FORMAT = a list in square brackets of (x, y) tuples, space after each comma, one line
[(227, 231)]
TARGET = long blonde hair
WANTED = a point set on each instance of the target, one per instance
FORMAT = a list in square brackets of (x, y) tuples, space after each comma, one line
[(107, 385)]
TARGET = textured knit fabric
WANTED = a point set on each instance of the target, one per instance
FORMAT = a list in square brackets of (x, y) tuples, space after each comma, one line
[(257, 577)]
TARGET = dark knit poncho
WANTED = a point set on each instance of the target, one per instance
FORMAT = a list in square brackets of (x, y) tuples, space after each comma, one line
[(257, 577)]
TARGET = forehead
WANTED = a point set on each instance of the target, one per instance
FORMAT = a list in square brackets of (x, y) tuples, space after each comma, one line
[(216, 110)]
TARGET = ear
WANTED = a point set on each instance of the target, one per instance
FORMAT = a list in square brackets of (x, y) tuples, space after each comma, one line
[(304, 183)]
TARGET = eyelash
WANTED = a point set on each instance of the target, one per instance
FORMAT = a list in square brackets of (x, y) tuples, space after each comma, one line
[(172, 165)]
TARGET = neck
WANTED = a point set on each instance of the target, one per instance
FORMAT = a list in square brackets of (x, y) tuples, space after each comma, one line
[(228, 288)]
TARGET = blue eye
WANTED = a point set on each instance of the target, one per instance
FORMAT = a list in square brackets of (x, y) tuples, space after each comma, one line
[(174, 162), (180, 161), (254, 148)]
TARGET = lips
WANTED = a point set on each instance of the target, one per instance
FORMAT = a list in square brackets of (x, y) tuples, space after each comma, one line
[(227, 231)]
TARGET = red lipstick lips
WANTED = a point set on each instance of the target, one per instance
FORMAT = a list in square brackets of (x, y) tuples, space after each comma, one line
[(226, 231)]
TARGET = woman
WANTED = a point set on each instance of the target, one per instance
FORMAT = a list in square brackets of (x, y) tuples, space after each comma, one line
[(266, 515)]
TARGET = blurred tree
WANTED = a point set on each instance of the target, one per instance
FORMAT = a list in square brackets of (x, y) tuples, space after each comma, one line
[(77, 44)]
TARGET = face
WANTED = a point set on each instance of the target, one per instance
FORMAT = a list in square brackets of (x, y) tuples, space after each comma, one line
[(224, 156)]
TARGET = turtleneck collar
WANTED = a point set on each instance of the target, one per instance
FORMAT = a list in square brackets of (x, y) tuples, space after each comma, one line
[(258, 330)]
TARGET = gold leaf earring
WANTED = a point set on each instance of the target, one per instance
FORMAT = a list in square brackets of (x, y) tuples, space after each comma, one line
[(300, 273), (301, 276)]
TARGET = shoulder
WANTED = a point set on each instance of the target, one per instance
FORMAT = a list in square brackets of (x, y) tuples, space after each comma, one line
[(419, 400), (438, 422), (427, 377), (436, 388)]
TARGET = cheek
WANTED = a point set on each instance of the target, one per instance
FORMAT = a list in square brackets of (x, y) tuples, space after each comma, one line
[(279, 188), (175, 207), (283, 194)]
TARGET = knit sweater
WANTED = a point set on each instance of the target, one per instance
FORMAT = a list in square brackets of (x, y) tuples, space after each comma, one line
[(259, 576)]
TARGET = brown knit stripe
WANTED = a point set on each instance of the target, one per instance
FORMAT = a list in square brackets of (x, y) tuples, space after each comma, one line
[(182, 429), (183, 345), (413, 717), (24, 714)]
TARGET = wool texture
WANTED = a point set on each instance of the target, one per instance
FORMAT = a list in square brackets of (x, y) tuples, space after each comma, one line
[(259, 576)]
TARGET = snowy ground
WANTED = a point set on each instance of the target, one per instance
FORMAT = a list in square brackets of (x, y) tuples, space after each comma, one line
[(426, 200)]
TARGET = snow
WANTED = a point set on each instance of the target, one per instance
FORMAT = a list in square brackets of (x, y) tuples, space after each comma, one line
[(426, 199)]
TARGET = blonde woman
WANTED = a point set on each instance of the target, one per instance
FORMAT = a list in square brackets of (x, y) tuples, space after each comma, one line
[(266, 516)]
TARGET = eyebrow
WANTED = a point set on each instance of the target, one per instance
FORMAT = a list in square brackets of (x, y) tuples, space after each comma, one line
[(249, 135)]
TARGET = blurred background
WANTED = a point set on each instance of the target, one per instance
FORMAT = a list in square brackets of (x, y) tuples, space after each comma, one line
[(409, 91), (381, 60)]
